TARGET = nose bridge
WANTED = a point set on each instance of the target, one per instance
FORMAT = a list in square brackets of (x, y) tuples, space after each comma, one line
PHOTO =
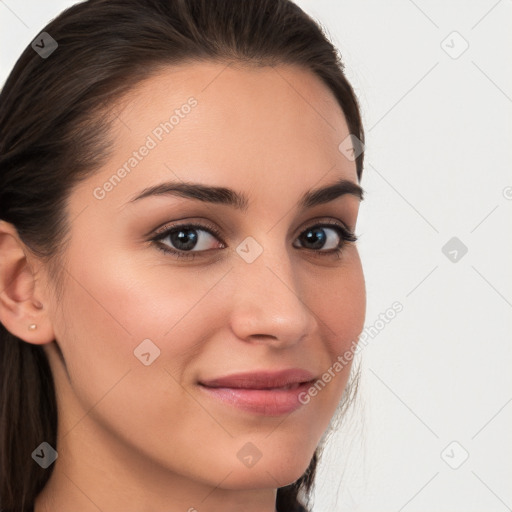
[(267, 299)]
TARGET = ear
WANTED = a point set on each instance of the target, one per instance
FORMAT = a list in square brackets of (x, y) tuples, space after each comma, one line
[(22, 302)]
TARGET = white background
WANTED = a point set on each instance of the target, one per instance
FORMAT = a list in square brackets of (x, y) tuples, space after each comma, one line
[(438, 164)]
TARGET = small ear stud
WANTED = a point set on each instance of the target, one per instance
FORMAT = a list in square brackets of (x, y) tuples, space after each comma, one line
[(32, 327)]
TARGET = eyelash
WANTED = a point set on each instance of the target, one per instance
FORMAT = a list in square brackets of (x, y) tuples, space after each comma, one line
[(344, 233)]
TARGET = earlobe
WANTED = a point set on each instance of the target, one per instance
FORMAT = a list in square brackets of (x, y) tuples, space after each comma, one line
[(20, 308)]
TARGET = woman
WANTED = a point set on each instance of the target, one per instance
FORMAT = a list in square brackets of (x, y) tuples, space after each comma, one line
[(180, 285)]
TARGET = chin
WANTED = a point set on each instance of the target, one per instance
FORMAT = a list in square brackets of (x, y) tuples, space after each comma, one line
[(265, 474)]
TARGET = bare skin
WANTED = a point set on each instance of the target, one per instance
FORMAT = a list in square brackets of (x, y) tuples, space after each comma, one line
[(143, 438)]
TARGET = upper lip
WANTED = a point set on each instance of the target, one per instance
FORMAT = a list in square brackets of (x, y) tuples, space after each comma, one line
[(260, 379)]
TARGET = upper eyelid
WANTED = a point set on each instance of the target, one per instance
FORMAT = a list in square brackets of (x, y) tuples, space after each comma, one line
[(204, 225), (163, 231)]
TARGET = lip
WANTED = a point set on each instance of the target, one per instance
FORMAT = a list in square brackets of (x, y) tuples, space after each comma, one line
[(259, 392), (260, 379)]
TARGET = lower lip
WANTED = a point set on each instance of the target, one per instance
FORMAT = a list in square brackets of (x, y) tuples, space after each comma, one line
[(268, 402)]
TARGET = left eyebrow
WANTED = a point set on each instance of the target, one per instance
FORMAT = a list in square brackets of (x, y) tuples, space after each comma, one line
[(229, 197)]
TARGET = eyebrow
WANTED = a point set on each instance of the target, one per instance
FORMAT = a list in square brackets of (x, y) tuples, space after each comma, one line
[(239, 201)]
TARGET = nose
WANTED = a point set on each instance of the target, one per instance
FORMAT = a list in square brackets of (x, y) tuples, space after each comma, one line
[(268, 302)]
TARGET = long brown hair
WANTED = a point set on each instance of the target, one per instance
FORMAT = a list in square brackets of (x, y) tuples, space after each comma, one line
[(55, 116)]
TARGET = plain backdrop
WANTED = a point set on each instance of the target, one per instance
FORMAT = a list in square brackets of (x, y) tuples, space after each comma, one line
[(429, 429)]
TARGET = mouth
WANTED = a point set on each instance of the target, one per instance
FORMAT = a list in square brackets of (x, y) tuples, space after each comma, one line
[(269, 394), (283, 379), (294, 385)]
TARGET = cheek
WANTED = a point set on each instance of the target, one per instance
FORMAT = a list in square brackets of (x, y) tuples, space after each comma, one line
[(114, 301), (110, 306), (108, 309), (338, 298)]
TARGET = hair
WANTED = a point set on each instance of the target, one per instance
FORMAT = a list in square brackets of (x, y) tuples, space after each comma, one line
[(56, 115)]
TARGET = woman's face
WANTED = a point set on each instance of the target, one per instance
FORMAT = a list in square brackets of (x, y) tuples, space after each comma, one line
[(256, 285)]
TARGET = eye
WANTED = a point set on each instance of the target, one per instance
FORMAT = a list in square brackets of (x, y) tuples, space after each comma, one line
[(188, 238), (327, 237)]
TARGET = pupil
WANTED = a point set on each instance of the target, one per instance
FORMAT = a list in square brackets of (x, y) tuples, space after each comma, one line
[(316, 237), (179, 239)]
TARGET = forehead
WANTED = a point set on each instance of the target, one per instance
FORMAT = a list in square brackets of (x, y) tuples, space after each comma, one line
[(245, 127), (252, 106)]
